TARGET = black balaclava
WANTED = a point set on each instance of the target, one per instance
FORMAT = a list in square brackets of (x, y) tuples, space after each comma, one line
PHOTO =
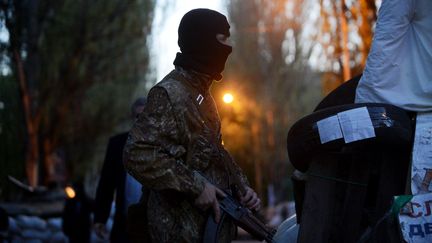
[(200, 50)]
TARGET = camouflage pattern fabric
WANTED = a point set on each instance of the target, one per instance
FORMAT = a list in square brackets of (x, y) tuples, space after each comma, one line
[(175, 142)]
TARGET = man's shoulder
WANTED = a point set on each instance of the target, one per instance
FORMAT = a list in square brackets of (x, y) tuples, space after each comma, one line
[(170, 85), (173, 80), (174, 87)]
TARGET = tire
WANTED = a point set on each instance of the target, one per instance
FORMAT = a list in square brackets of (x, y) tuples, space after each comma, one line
[(392, 125), (342, 95)]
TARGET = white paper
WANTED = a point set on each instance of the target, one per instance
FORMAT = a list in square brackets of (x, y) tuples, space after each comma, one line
[(416, 219), (421, 170), (329, 129), (356, 124)]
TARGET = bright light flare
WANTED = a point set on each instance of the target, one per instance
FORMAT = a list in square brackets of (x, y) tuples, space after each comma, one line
[(228, 98), (70, 192)]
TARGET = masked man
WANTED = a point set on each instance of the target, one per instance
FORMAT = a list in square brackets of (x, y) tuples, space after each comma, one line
[(175, 147)]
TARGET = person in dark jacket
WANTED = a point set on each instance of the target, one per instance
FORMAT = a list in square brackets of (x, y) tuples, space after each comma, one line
[(4, 225), (76, 217), (115, 180), (175, 147)]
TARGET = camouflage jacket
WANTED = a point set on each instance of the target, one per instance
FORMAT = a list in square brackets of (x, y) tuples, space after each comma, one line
[(175, 142)]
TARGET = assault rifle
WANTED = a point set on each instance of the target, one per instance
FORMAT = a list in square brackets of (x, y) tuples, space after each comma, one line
[(242, 216)]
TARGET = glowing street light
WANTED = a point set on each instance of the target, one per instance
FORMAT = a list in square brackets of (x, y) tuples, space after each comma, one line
[(228, 98), (70, 192)]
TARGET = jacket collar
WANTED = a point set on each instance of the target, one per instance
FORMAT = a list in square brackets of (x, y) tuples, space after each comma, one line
[(200, 81)]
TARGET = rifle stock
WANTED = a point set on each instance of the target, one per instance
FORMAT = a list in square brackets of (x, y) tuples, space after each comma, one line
[(242, 217)]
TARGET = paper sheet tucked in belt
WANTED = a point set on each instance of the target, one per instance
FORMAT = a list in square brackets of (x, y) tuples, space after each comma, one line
[(399, 65)]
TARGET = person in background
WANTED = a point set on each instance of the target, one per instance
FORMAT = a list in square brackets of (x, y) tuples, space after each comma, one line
[(4, 225), (115, 180), (76, 218), (175, 147)]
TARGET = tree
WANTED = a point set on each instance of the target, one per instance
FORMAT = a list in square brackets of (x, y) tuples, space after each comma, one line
[(281, 53), (345, 30), (269, 74), (11, 129), (77, 64)]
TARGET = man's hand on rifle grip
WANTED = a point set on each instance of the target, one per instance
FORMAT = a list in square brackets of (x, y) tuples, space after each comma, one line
[(208, 198), (250, 199)]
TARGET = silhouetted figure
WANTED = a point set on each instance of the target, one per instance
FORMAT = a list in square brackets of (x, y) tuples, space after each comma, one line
[(4, 225), (175, 147), (115, 181), (76, 216)]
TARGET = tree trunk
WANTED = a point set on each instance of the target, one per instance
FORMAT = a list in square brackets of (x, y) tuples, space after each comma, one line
[(271, 148), (257, 160), (48, 160), (32, 146), (345, 52), (368, 14)]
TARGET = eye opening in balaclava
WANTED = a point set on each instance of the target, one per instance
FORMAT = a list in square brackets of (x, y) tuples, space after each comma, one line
[(200, 49)]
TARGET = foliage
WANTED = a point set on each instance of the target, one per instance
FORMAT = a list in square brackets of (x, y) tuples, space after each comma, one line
[(11, 129), (273, 85), (287, 53), (338, 19), (83, 61)]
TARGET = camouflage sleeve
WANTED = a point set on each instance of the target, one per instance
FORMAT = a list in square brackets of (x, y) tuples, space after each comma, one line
[(236, 172), (153, 152), (242, 177)]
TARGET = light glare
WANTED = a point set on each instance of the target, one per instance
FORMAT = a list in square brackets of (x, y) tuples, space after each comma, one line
[(70, 192), (228, 98)]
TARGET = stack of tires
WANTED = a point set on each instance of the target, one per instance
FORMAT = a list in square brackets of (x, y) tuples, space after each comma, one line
[(353, 171)]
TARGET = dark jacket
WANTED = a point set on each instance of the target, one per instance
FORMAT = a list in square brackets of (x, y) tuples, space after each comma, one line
[(174, 143), (76, 220), (112, 181)]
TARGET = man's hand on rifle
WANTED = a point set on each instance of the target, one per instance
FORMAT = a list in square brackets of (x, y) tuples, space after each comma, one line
[(208, 198), (250, 199)]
